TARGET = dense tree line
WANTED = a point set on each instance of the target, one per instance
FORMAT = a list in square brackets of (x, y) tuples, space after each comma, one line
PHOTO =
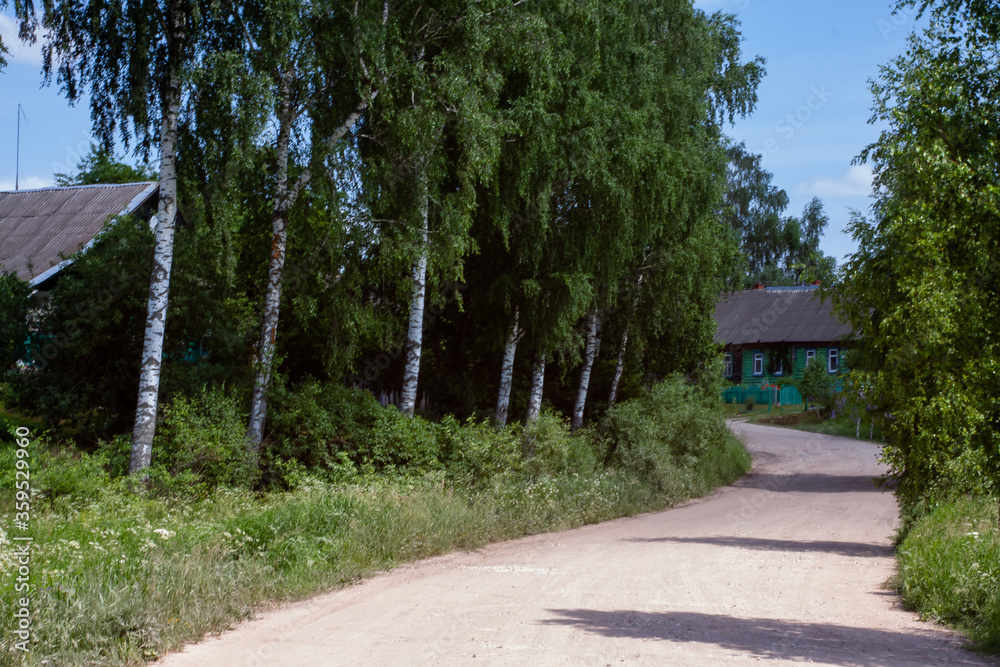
[(923, 288), (465, 207)]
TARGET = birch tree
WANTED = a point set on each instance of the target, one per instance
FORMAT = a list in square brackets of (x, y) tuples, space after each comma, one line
[(133, 57), (304, 87)]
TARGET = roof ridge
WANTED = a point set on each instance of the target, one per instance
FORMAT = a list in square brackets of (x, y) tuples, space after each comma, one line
[(77, 187)]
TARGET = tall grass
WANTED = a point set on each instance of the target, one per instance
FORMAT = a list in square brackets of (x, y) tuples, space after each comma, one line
[(119, 578), (949, 568)]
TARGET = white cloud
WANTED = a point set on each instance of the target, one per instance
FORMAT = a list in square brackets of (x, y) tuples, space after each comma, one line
[(856, 182), (19, 52), (26, 183)]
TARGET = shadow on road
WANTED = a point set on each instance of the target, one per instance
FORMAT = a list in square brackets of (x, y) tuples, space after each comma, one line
[(852, 549), (808, 483), (769, 638)]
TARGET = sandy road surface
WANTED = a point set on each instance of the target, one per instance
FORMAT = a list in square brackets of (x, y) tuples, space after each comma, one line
[(785, 566)]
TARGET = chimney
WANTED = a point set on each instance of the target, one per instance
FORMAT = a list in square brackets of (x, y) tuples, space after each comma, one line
[(758, 286)]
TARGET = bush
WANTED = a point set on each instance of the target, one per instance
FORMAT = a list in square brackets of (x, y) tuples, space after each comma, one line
[(336, 431), (816, 384), (751, 402), (663, 432), (550, 447), (203, 442)]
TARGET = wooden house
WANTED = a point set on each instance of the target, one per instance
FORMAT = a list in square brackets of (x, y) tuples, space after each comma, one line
[(38, 228), (768, 335)]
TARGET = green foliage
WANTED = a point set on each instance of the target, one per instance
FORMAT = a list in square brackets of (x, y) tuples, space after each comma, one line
[(125, 577), (101, 166), (552, 449), (203, 441), (14, 307), (816, 383), (949, 568), (923, 287), (84, 350), (778, 250), (333, 430), (663, 432)]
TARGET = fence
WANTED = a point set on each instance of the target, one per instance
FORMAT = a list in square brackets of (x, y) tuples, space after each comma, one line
[(763, 395)]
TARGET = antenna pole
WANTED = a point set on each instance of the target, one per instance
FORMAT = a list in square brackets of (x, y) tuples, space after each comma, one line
[(17, 155), (17, 158)]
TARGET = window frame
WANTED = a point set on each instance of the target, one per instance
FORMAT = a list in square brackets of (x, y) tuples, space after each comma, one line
[(758, 363), (810, 355), (832, 360), (727, 364)]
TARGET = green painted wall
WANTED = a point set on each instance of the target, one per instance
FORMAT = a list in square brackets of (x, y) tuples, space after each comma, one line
[(799, 366)]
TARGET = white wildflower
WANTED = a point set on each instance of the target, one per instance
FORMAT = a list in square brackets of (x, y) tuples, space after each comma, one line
[(164, 533)]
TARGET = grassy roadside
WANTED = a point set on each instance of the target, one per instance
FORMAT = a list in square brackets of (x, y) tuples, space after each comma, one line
[(949, 569), (814, 421), (120, 578)]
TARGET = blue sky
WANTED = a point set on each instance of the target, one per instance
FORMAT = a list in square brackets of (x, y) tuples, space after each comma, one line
[(810, 122)]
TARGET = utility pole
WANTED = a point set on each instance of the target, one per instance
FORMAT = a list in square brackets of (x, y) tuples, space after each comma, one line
[(17, 157)]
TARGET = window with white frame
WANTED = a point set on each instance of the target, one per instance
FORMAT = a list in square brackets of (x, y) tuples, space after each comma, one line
[(779, 365), (810, 355), (758, 363), (727, 360), (833, 360)]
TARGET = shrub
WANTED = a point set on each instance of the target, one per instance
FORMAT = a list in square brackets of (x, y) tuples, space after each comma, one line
[(664, 431), (550, 448), (751, 402), (816, 384), (335, 430), (477, 452), (203, 441)]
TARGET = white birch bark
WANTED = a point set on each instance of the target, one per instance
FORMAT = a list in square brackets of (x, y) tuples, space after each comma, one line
[(619, 369), (537, 381), (415, 330), (507, 370), (272, 297), (620, 365), (284, 199), (159, 284), (590, 354)]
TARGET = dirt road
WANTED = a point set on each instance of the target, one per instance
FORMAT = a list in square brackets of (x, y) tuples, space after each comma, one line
[(785, 566)]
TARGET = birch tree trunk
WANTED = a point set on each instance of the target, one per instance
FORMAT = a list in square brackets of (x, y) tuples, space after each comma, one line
[(415, 331), (284, 199), (590, 354), (272, 298), (507, 370), (159, 284), (619, 368), (537, 380)]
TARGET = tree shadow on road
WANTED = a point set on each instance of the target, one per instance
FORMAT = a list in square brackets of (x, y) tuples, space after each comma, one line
[(852, 549), (809, 483), (766, 638)]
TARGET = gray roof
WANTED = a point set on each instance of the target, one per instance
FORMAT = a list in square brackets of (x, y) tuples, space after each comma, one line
[(777, 315), (37, 225)]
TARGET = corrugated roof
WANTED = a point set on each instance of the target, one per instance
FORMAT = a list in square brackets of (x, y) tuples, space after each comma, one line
[(782, 315), (37, 225)]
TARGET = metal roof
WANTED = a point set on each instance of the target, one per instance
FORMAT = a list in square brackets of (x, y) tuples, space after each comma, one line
[(777, 315), (36, 226)]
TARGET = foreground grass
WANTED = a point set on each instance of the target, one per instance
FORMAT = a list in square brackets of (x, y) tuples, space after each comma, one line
[(121, 579), (949, 569)]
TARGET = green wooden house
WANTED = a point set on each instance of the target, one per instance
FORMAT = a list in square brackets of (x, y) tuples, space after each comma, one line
[(768, 335)]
